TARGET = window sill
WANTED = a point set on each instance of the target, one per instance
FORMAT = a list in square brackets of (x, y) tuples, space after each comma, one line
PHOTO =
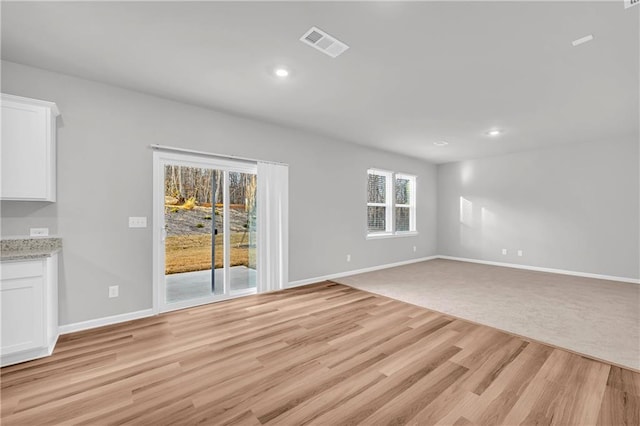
[(390, 235)]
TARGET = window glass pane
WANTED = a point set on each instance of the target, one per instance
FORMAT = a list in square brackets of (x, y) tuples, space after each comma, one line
[(242, 226), (403, 191), (376, 218), (376, 188), (403, 221), (190, 217)]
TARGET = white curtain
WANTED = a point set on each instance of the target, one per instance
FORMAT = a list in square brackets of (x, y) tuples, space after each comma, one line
[(273, 226)]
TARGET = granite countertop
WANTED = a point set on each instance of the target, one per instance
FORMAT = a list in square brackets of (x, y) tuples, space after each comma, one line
[(29, 248)]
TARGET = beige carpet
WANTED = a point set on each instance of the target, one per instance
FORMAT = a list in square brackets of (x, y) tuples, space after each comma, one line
[(597, 318)]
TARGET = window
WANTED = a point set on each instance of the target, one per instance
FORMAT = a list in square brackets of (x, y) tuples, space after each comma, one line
[(379, 202), (391, 203)]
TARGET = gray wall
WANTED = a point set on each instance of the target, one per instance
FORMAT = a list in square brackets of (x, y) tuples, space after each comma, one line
[(105, 175), (573, 208)]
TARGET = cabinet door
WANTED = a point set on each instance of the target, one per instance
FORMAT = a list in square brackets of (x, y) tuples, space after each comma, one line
[(21, 301), (26, 151)]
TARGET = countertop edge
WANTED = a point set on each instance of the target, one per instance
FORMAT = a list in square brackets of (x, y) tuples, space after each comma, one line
[(28, 255)]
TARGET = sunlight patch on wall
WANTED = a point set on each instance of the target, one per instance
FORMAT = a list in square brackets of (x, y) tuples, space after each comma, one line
[(468, 233), (488, 219), (466, 211), (478, 227), (488, 230)]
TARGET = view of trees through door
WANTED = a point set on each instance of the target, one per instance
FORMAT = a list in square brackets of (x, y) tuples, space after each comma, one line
[(194, 210)]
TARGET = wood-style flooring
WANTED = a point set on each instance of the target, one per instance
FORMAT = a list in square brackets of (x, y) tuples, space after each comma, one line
[(322, 354)]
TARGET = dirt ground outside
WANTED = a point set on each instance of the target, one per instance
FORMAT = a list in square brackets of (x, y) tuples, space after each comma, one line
[(188, 242)]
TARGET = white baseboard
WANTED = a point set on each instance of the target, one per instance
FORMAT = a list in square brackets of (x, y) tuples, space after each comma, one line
[(115, 319), (99, 322), (356, 271), (10, 359), (541, 269)]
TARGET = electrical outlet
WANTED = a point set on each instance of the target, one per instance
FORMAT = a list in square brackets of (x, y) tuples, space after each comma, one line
[(414, 249), (38, 232), (113, 291), (138, 222), (348, 258), (504, 251), (520, 253)]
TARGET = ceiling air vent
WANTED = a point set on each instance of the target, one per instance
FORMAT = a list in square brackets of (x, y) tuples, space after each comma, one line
[(325, 43), (629, 3)]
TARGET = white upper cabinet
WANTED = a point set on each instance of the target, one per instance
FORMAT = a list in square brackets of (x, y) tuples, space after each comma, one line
[(28, 149)]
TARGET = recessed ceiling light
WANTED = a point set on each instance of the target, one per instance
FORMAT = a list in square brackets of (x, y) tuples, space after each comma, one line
[(582, 40), (494, 132), (441, 143), (282, 72)]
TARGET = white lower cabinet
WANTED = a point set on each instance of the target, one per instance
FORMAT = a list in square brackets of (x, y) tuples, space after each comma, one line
[(29, 309)]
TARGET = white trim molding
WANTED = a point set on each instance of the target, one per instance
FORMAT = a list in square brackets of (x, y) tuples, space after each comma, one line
[(541, 269), (356, 271), (28, 355), (100, 322), (209, 154), (115, 319), (388, 235)]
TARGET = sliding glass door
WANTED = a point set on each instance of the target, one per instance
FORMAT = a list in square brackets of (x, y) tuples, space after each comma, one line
[(242, 231), (207, 229)]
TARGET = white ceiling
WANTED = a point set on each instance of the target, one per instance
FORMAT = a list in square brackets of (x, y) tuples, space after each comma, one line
[(415, 73)]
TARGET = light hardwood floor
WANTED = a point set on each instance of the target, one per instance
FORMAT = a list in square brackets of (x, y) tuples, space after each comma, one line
[(593, 317), (321, 354)]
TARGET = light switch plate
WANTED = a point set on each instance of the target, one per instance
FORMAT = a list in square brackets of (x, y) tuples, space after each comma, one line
[(138, 222), (39, 232)]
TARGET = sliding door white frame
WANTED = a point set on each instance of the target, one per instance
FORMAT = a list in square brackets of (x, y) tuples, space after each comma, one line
[(160, 160)]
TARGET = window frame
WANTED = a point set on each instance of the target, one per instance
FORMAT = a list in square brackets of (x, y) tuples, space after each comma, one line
[(388, 198), (412, 202), (390, 204)]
